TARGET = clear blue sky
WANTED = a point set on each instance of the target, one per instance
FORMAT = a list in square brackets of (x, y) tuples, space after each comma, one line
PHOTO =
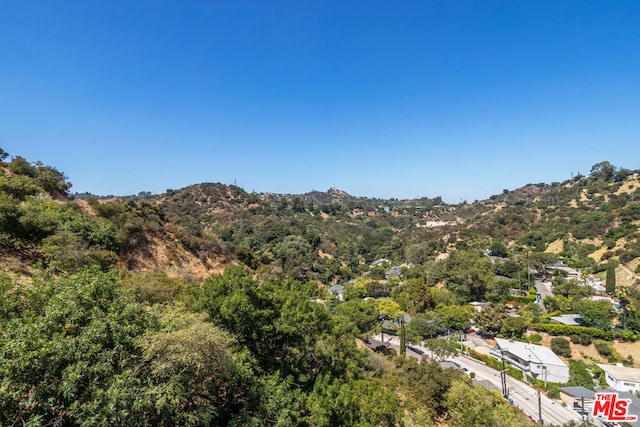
[(460, 99)]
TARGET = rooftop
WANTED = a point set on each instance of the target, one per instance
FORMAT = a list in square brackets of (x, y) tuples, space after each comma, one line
[(530, 352), (621, 372), (578, 392), (568, 319)]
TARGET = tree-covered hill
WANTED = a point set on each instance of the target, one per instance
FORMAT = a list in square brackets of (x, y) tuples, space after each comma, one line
[(329, 236), (208, 305)]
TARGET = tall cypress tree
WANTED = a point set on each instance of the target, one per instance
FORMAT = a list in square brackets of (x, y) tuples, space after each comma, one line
[(611, 280)]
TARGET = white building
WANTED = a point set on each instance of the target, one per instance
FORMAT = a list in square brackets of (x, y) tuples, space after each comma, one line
[(534, 360), (621, 378), (568, 319)]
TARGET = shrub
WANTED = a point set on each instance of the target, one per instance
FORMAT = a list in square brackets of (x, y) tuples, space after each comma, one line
[(561, 346), (535, 338), (579, 375), (604, 349), (553, 391), (496, 364), (583, 339), (557, 329)]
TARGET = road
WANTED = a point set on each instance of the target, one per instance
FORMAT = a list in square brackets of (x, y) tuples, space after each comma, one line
[(523, 395), (544, 289)]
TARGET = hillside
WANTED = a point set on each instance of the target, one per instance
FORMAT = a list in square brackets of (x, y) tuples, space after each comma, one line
[(208, 305), (195, 231)]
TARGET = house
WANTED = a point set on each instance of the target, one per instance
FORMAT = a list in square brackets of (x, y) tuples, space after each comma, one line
[(534, 360), (568, 271), (394, 272), (622, 378), (581, 400), (568, 319), (603, 298), (337, 291), (479, 306), (596, 285), (634, 406), (518, 292), (378, 262), (577, 396)]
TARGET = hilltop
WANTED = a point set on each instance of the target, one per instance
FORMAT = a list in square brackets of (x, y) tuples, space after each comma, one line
[(329, 236)]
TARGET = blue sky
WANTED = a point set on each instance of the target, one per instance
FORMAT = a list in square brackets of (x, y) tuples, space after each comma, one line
[(459, 99)]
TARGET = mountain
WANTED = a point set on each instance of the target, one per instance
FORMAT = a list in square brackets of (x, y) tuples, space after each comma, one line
[(197, 230)]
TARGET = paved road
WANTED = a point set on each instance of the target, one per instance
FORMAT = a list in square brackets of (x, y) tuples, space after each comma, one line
[(523, 395), (544, 289)]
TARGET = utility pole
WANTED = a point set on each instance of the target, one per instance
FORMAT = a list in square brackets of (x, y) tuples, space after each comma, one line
[(403, 350), (540, 409), (503, 378)]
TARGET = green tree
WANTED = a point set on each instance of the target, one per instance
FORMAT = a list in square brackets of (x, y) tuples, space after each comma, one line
[(487, 408), (515, 326), (280, 326), (425, 384), (623, 294), (237, 302), (441, 348), (454, 316), (418, 294), (595, 313), (498, 290), (467, 273), (603, 170), (415, 254), (20, 166), (389, 308), (195, 377), (68, 355), (491, 320), (610, 283), (19, 186), (364, 314), (498, 249), (361, 403), (557, 303), (423, 326)]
